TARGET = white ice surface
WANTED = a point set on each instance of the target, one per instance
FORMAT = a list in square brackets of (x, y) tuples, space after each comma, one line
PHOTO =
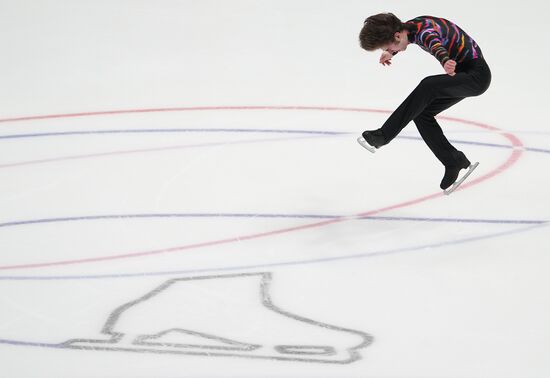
[(212, 185)]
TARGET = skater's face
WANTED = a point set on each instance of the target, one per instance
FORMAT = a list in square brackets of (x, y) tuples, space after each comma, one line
[(400, 42)]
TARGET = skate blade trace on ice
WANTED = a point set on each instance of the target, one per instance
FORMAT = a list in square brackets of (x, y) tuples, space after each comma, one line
[(459, 181), (230, 316)]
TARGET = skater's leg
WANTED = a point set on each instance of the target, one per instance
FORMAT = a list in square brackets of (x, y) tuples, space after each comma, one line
[(471, 79), (431, 132), (433, 95), (430, 89), (433, 135), (414, 104)]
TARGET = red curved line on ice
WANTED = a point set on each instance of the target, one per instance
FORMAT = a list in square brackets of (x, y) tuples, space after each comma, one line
[(512, 159)]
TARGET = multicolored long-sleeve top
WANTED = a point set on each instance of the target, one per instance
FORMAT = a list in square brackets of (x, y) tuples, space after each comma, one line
[(443, 39)]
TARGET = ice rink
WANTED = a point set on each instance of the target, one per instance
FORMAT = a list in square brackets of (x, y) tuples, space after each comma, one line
[(182, 195)]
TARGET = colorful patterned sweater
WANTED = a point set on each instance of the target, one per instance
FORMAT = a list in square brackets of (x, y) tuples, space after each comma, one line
[(443, 39)]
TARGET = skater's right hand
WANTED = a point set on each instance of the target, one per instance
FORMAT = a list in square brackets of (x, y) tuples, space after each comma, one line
[(385, 58), (449, 67)]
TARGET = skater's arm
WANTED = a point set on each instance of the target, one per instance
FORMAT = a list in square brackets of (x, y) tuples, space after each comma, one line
[(432, 41)]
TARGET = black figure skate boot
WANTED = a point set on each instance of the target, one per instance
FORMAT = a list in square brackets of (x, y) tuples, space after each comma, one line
[(372, 139), (449, 182)]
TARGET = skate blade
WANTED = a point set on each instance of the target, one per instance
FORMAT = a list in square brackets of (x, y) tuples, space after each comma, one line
[(461, 180), (365, 145)]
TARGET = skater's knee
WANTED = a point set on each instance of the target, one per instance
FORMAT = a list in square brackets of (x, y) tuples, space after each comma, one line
[(428, 83), (424, 118)]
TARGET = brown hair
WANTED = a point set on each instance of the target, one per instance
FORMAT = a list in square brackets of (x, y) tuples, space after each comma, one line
[(379, 30)]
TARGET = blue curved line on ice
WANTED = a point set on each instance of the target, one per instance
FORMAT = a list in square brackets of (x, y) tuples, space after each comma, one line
[(258, 215), (259, 266), (278, 264), (186, 130), (225, 130), (532, 224)]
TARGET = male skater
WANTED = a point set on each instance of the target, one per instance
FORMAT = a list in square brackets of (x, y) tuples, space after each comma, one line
[(466, 74)]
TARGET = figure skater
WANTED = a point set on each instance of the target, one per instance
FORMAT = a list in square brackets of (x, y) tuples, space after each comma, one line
[(466, 75)]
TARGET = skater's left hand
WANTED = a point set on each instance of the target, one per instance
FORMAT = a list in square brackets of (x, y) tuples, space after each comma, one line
[(449, 67), (385, 58)]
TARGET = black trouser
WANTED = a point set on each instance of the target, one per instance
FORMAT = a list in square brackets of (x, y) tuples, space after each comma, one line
[(433, 95)]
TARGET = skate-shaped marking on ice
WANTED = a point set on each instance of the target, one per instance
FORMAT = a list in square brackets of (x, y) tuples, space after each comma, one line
[(222, 316)]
